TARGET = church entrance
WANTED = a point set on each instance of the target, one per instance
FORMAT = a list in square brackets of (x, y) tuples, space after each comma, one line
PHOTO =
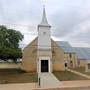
[(44, 66)]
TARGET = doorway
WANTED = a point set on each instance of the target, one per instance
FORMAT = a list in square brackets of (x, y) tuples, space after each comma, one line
[(44, 66)]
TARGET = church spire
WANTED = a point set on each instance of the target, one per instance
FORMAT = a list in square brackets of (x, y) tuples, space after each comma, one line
[(44, 19)]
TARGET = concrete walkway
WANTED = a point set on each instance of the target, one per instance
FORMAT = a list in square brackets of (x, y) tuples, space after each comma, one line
[(81, 74), (48, 80), (66, 85), (71, 85)]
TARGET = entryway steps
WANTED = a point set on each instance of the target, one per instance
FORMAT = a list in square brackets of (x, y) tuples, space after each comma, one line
[(48, 80)]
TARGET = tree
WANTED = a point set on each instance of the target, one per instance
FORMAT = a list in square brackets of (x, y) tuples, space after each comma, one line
[(9, 44)]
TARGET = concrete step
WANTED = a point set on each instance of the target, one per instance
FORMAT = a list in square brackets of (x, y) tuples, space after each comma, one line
[(48, 80)]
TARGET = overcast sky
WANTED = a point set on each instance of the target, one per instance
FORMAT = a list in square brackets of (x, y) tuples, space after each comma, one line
[(70, 19)]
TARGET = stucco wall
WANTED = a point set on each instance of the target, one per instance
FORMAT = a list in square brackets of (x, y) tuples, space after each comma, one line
[(44, 37)]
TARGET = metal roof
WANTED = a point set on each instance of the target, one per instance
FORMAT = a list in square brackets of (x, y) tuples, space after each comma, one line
[(82, 53), (65, 46)]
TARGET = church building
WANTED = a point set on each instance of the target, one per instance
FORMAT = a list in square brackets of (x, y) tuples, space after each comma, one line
[(46, 55)]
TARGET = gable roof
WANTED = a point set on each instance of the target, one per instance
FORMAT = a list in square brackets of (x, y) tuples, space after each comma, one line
[(82, 53), (65, 46)]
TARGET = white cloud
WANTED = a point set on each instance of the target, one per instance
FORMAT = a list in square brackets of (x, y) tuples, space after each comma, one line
[(70, 19)]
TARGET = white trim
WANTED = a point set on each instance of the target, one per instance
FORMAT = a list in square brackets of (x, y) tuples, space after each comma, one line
[(44, 58)]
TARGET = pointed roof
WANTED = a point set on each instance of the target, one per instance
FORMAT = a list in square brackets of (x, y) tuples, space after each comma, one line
[(44, 21)]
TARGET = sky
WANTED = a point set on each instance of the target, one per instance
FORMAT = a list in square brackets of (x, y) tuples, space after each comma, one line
[(70, 19)]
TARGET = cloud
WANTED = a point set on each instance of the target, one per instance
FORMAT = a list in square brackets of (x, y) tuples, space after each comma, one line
[(72, 22), (70, 19)]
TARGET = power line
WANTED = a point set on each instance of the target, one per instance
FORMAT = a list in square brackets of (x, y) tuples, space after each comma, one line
[(21, 25)]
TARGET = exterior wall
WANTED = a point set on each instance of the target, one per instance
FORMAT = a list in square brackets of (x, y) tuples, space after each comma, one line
[(6, 65), (82, 63), (73, 59), (29, 60), (86, 66), (49, 64), (44, 55), (57, 58), (44, 37)]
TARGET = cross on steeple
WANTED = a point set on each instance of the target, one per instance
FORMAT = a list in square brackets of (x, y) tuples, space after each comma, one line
[(44, 21), (44, 3)]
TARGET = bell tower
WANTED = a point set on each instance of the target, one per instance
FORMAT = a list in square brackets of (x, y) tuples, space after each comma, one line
[(44, 33), (44, 45)]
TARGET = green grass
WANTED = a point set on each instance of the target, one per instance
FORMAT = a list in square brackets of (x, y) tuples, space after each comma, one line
[(17, 76), (67, 76), (81, 70)]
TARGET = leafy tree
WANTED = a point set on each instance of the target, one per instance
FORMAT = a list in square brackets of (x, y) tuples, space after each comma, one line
[(9, 44)]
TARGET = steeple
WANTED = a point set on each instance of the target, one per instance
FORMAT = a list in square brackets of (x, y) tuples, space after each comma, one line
[(44, 21)]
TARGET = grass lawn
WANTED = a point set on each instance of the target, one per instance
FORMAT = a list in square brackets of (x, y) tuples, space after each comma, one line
[(67, 76), (82, 70), (17, 76)]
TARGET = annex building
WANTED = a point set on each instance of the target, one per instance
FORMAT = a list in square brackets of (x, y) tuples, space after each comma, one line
[(46, 55)]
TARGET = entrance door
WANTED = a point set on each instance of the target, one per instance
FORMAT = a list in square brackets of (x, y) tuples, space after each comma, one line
[(44, 65)]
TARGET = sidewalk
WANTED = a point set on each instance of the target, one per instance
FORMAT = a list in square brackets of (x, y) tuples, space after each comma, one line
[(33, 86), (22, 86), (81, 74), (70, 84)]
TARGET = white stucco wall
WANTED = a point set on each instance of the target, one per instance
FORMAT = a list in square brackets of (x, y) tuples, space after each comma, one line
[(44, 38)]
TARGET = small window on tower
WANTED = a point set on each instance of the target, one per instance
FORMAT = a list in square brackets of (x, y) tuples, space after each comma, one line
[(44, 33), (70, 55)]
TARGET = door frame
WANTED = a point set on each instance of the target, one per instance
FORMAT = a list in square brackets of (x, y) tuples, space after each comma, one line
[(40, 59)]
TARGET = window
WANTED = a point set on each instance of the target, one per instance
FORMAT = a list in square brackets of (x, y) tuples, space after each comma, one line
[(65, 64), (89, 66), (71, 63), (78, 62), (70, 55), (44, 33)]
